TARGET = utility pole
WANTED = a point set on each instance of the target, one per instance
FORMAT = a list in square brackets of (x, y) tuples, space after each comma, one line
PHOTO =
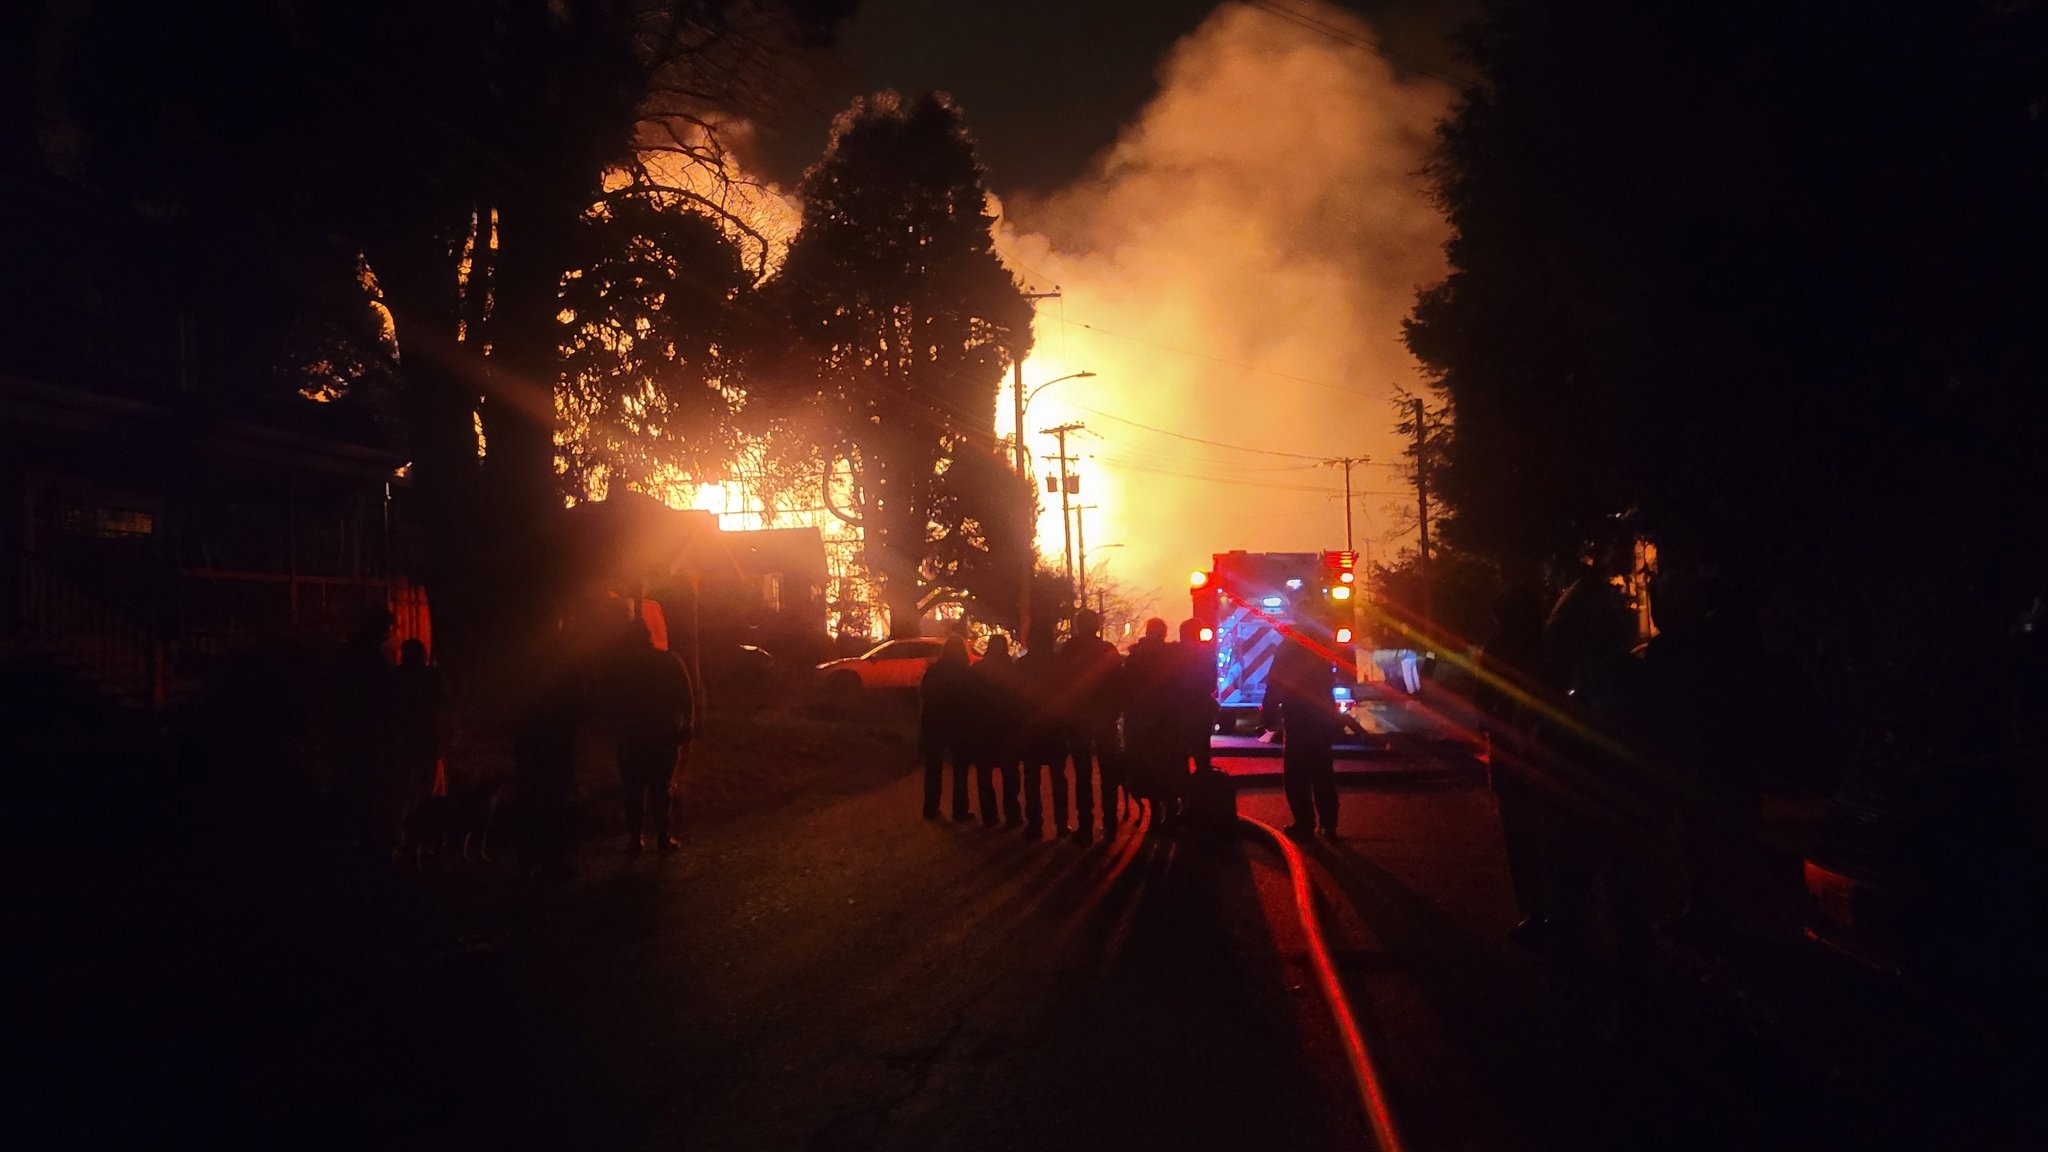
[(1347, 463), (1081, 546), (1066, 509), (1422, 509)]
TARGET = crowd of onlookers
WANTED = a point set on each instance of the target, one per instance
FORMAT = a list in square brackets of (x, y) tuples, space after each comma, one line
[(1093, 729)]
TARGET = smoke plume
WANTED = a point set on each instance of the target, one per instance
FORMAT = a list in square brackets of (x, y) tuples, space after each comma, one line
[(1234, 270)]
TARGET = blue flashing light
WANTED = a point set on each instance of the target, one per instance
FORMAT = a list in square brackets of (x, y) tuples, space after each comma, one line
[(1273, 602)]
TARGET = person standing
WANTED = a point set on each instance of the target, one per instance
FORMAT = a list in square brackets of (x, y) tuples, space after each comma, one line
[(1195, 693), (361, 725), (1153, 724), (993, 730), (944, 699), (1604, 825), (1300, 702), (553, 701), (1089, 702), (1513, 693), (1041, 739), (654, 715), (415, 737)]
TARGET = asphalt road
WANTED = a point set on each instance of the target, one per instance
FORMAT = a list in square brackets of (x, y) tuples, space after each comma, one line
[(821, 969)]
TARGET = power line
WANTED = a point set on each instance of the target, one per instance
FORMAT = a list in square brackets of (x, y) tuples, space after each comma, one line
[(1211, 478), (1198, 439), (1353, 392)]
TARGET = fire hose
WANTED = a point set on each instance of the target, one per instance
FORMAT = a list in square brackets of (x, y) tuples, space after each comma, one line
[(1365, 1076)]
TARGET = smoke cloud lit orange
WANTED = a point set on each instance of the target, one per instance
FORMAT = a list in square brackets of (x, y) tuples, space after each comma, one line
[(1265, 211)]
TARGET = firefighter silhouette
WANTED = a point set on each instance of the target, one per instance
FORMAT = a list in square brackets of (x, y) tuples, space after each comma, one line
[(1089, 701), (1041, 738), (1300, 705)]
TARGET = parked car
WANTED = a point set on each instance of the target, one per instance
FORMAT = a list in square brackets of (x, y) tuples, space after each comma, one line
[(738, 673), (897, 665), (1931, 875)]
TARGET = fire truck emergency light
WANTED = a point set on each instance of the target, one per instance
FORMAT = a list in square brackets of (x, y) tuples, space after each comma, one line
[(1197, 579), (1343, 635), (1273, 602), (1346, 577), (1208, 634), (1341, 592)]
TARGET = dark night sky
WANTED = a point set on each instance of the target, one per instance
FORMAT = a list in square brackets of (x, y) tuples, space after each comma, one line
[(1047, 83)]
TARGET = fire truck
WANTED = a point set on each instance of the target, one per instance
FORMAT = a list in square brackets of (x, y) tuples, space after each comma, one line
[(1248, 603)]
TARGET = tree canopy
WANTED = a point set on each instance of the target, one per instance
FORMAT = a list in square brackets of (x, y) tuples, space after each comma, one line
[(1756, 280), (904, 319), (659, 332), (248, 176)]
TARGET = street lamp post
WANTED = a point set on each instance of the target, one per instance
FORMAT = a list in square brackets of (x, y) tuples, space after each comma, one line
[(1100, 590), (1023, 400)]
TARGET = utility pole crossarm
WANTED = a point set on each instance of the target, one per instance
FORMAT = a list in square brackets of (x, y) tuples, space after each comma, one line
[(1066, 506), (1347, 463)]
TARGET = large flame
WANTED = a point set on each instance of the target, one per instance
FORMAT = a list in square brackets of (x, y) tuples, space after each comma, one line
[(1235, 271)]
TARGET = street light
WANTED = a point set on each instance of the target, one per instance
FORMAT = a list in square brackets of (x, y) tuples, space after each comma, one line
[(1024, 401), (1099, 589)]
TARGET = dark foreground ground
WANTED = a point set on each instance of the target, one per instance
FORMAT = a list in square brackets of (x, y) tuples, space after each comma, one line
[(820, 969)]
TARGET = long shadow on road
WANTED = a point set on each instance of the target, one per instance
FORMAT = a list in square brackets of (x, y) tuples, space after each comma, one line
[(1158, 1014)]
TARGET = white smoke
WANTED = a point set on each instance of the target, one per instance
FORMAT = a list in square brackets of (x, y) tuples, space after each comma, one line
[(1235, 269)]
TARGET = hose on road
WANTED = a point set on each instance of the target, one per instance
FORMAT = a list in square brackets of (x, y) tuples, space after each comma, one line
[(1365, 1075)]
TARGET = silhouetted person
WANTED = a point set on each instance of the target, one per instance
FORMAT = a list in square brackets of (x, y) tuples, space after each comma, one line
[(1195, 693), (993, 728), (1041, 736), (653, 716), (415, 716), (1512, 694), (1088, 704), (1706, 643), (1597, 827), (945, 699), (362, 730), (1300, 702), (1154, 729), (551, 705)]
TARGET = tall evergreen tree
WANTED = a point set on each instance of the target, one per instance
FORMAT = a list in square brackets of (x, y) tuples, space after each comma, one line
[(1754, 279), (905, 319), (659, 331)]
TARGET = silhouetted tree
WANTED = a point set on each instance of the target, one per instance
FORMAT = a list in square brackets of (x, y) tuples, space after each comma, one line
[(452, 148), (905, 319), (1758, 280), (658, 334), (1463, 588)]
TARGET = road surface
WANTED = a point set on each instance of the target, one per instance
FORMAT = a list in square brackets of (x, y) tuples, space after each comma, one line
[(825, 970)]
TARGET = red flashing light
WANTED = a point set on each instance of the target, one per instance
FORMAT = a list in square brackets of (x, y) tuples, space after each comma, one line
[(1343, 635), (1197, 579), (1208, 634), (1346, 577)]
